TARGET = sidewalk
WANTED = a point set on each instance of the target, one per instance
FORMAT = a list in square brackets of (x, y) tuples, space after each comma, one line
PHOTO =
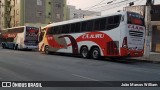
[(154, 57)]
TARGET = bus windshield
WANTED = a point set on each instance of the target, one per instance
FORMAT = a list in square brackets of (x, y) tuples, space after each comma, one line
[(135, 18)]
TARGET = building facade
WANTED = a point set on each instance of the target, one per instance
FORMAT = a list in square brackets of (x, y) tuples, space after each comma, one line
[(25, 12), (73, 13)]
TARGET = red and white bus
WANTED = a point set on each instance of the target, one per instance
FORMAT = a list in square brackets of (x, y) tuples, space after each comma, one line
[(23, 37), (120, 34)]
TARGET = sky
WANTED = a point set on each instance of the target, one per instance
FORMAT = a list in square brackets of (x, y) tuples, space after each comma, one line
[(90, 4)]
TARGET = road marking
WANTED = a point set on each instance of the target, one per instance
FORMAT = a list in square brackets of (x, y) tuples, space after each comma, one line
[(98, 81), (85, 77)]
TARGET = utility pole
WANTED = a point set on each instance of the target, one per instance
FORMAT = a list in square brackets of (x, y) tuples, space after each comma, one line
[(147, 48)]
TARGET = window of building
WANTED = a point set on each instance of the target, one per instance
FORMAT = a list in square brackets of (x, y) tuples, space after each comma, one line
[(75, 15), (14, 12), (2, 14), (39, 2), (58, 5), (49, 13), (58, 15), (39, 14), (49, 3), (17, 12)]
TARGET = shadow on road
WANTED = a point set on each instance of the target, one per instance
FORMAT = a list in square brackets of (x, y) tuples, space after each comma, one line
[(114, 60), (25, 50)]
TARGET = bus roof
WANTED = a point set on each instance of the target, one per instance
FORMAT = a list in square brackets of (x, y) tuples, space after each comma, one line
[(17, 27), (81, 19)]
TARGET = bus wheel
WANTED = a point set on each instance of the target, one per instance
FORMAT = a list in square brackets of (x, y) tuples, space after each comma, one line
[(4, 46), (84, 52), (95, 53), (15, 47), (46, 50)]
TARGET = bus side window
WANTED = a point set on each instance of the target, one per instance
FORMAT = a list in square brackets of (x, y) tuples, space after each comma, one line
[(58, 29), (49, 31), (84, 27), (89, 25), (113, 22), (53, 31), (96, 25), (110, 23), (77, 27), (103, 23), (100, 24), (73, 28), (65, 29), (117, 19)]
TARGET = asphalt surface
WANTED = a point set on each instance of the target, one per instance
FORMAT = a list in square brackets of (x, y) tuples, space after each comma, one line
[(34, 66)]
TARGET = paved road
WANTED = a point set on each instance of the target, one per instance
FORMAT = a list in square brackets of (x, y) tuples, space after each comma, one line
[(33, 66)]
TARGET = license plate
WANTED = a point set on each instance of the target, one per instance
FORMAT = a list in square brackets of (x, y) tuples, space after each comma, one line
[(136, 53)]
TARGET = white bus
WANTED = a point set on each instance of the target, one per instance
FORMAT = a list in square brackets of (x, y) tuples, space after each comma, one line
[(121, 34), (23, 37)]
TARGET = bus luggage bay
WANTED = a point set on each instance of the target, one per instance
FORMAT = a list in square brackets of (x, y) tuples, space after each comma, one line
[(116, 35), (24, 37)]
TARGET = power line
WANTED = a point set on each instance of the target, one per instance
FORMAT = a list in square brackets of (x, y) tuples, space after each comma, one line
[(110, 6), (116, 5), (95, 5), (107, 5)]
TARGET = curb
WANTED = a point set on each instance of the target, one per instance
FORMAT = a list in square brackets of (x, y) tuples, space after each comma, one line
[(145, 60)]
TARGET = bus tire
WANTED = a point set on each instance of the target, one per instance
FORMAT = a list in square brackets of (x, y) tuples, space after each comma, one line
[(95, 53), (84, 52), (4, 46), (46, 50), (15, 47)]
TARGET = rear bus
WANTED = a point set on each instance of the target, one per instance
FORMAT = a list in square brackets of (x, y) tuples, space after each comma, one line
[(31, 38), (133, 35)]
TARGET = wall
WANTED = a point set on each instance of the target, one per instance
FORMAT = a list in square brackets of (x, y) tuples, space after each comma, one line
[(34, 11), (74, 13)]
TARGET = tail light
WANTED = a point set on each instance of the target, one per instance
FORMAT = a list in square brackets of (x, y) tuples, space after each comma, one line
[(125, 45)]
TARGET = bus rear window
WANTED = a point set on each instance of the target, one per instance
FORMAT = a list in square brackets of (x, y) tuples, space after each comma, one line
[(31, 31), (135, 18)]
